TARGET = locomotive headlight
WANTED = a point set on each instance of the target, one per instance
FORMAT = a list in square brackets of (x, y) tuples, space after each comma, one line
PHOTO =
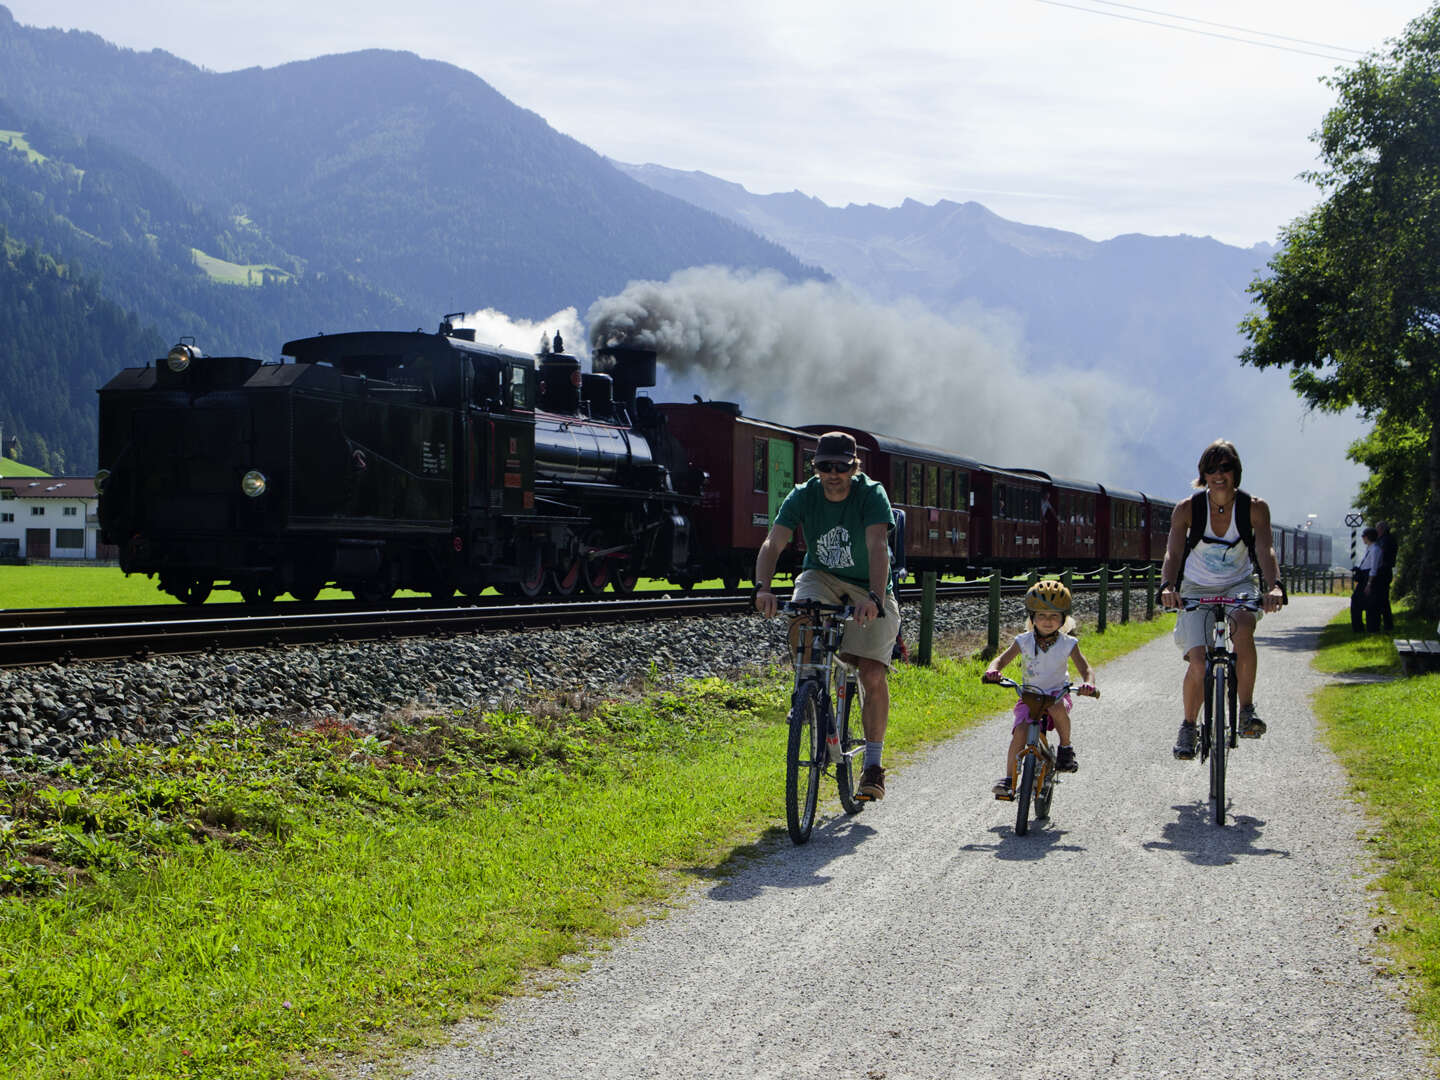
[(253, 483), (178, 359), (100, 478)]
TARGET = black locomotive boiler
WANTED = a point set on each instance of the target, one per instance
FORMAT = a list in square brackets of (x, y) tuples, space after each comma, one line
[(377, 461)]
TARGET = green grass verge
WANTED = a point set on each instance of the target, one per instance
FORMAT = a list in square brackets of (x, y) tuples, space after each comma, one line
[(11, 467), (256, 901), (1384, 733)]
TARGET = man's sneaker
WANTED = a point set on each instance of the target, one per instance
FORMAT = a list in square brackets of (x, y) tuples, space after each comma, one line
[(1003, 790), (1187, 741), (872, 783), (1251, 726), (1065, 759)]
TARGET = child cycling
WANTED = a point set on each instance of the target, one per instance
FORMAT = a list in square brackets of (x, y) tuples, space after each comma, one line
[(1046, 649)]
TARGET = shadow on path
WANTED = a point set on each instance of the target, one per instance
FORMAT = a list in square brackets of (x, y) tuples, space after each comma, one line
[(776, 863), (1196, 836), (1041, 841)]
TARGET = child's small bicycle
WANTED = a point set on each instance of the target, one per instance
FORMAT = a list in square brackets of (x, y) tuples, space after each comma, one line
[(1035, 764), (819, 736)]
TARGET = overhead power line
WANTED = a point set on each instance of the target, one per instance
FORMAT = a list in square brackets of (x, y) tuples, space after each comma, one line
[(1329, 55)]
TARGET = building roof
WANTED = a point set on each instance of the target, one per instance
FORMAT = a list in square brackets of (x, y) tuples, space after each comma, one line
[(50, 487)]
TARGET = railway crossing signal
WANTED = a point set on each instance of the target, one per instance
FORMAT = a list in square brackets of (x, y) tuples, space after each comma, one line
[(1353, 521)]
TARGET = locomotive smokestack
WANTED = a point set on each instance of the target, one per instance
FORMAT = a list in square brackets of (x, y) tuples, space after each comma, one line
[(630, 367)]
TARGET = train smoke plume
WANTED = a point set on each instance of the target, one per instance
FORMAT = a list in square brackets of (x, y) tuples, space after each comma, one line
[(496, 328), (816, 352)]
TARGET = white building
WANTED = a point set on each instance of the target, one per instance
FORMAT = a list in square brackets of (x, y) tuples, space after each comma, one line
[(50, 517)]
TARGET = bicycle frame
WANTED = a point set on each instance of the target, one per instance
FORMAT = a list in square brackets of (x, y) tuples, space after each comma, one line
[(1219, 732)]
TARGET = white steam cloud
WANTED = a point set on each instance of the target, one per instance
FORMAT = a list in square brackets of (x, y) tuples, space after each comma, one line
[(496, 328), (816, 353)]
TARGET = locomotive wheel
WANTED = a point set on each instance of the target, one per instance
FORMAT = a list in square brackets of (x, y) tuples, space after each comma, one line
[(373, 591), (565, 582), (622, 577), (195, 592), (595, 574), (533, 584), (257, 593), (305, 591)]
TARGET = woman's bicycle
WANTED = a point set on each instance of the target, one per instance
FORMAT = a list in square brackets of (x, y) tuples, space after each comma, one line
[(1036, 771), (1219, 730), (825, 732)]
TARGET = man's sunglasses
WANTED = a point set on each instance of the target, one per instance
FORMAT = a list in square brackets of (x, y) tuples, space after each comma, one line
[(834, 466)]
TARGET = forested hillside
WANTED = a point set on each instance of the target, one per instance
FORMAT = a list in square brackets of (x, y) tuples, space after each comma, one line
[(244, 209), (59, 341), (412, 174)]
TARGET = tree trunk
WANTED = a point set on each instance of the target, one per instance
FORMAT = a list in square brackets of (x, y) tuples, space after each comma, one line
[(1427, 591)]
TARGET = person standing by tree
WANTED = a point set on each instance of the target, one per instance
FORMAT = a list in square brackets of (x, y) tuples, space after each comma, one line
[(1351, 303), (1364, 615), (1385, 540)]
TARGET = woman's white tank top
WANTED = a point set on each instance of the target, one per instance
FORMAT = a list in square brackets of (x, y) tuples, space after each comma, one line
[(1217, 562)]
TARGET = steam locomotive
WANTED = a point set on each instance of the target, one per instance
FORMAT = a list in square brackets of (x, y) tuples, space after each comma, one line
[(380, 460)]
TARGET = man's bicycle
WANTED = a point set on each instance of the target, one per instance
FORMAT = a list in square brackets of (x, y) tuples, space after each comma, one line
[(825, 732), (1219, 729), (1036, 772)]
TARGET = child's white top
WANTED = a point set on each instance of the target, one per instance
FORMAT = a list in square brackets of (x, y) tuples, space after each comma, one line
[(1048, 669)]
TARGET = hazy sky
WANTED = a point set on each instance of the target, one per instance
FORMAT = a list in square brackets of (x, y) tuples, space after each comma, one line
[(1077, 114)]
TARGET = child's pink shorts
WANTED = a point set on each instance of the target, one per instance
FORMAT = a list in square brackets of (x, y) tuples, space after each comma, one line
[(1022, 714)]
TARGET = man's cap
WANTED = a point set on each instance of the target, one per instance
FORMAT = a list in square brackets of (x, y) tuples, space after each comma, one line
[(835, 446)]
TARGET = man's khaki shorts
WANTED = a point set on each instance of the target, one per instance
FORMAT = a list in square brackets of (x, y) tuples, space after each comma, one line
[(875, 641)]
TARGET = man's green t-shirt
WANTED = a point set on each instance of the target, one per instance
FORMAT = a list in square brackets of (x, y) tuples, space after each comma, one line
[(835, 531)]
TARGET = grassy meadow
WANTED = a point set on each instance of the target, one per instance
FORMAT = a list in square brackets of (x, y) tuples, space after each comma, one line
[(1384, 732), (257, 901)]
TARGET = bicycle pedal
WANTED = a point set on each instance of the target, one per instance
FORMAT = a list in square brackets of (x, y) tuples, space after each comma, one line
[(1004, 798)]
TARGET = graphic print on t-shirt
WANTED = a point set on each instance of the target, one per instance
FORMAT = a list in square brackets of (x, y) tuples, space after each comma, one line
[(833, 550)]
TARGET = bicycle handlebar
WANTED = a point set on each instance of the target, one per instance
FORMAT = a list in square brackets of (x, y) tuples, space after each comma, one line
[(1194, 603), (1059, 692), (815, 607)]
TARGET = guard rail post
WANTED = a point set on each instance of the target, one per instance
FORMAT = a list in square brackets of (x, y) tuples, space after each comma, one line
[(1103, 618), (1124, 594), (993, 623), (927, 616), (1150, 592)]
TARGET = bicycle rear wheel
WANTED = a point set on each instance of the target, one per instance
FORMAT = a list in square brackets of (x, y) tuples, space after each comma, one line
[(804, 758), (852, 750), (1219, 741), (1027, 788), (1044, 787)]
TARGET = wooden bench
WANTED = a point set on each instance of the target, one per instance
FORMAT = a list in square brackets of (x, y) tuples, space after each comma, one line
[(1417, 656)]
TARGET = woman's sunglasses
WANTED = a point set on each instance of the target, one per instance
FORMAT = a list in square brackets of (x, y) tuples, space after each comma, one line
[(834, 466)]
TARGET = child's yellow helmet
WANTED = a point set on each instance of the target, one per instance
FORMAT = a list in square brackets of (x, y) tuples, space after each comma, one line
[(1049, 595)]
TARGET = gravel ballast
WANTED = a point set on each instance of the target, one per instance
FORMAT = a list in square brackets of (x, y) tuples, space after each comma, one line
[(55, 711)]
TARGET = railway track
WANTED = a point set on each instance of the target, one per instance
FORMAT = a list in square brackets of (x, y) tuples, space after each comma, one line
[(39, 636)]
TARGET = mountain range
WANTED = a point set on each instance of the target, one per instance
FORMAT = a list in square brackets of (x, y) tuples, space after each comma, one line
[(381, 189)]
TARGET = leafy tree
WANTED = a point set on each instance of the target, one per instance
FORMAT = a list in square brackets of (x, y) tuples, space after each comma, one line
[(1351, 304)]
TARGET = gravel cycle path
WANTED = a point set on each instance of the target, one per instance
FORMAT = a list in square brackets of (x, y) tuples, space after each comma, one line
[(1127, 937)]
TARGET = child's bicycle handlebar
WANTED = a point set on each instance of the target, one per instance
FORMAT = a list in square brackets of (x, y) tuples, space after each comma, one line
[(1083, 689)]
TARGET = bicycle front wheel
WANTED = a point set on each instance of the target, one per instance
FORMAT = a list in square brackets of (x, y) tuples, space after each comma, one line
[(804, 758), (1219, 742), (1027, 788), (852, 750)]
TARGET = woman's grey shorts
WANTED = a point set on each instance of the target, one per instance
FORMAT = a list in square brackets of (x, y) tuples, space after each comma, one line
[(1194, 628)]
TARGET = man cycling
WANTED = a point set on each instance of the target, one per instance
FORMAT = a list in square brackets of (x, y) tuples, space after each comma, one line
[(845, 517), (1220, 538)]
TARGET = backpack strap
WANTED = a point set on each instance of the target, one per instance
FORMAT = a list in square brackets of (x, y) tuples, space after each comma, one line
[(1200, 518)]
